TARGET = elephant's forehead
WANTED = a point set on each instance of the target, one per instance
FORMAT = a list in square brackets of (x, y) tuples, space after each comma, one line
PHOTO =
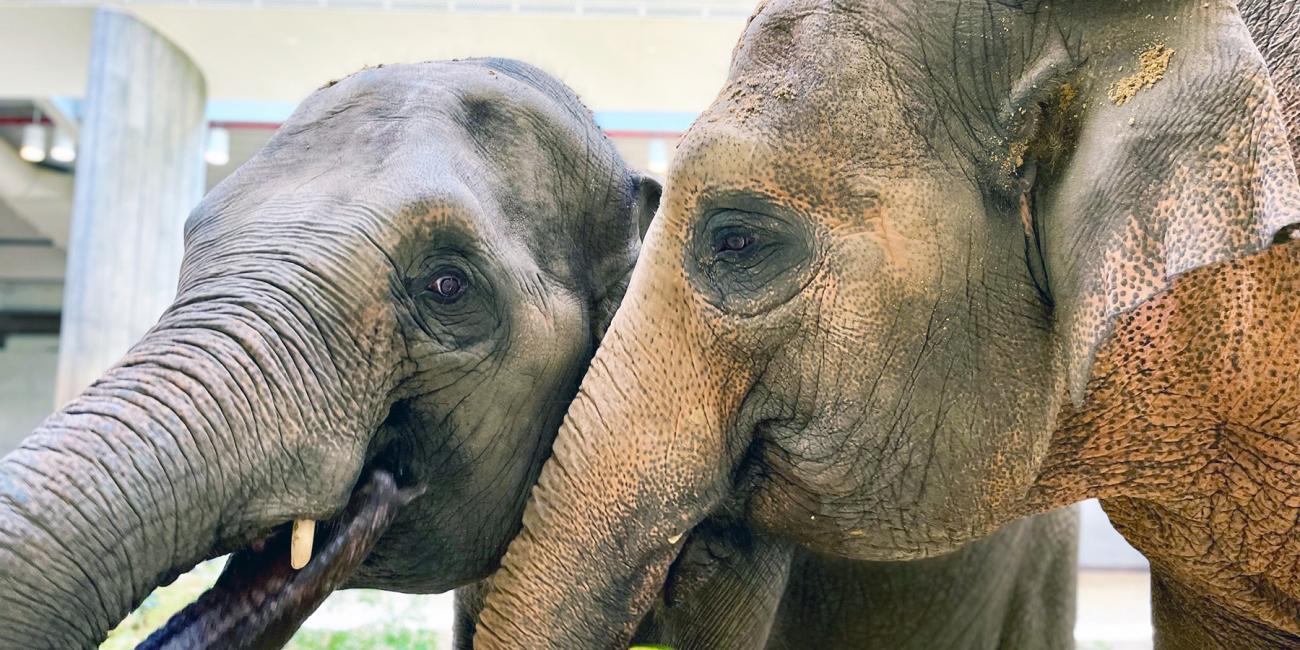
[(365, 129), (429, 144), (822, 127), (421, 115), (815, 82), (406, 93)]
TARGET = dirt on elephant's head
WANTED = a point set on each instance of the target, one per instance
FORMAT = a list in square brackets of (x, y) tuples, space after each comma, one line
[(1152, 65)]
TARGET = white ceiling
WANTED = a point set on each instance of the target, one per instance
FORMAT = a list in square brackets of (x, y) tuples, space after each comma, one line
[(45, 51), (617, 63)]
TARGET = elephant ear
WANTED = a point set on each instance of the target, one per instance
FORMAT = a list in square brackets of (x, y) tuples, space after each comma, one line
[(1157, 154), (644, 205), (648, 193)]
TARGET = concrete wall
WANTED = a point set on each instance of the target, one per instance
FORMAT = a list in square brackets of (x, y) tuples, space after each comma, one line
[(139, 173), (27, 367)]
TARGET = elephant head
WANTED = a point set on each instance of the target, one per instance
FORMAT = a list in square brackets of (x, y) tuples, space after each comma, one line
[(886, 258), (399, 293)]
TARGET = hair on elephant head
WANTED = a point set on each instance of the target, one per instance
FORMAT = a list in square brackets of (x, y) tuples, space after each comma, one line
[(887, 257), (380, 321)]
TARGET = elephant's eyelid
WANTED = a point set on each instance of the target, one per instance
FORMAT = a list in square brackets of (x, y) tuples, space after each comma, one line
[(479, 282)]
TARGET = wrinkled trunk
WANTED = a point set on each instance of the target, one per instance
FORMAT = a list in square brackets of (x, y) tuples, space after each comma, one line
[(100, 504), (635, 466), (149, 471)]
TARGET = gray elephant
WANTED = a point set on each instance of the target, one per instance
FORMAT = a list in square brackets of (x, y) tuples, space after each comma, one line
[(1275, 26), (380, 320), (927, 267), (732, 589)]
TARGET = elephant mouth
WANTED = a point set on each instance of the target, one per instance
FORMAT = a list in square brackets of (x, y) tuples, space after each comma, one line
[(260, 600)]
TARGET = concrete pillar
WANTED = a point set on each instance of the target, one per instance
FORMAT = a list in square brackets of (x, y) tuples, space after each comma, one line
[(139, 173)]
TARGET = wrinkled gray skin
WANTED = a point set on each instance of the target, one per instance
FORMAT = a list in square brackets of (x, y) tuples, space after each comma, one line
[(886, 257), (311, 341), (1014, 589), (1275, 26)]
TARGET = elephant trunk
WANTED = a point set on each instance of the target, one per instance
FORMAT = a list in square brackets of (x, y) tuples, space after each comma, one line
[(150, 470), (102, 502), (642, 457)]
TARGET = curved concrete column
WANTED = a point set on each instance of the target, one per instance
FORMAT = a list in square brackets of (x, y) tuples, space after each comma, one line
[(139, 173)]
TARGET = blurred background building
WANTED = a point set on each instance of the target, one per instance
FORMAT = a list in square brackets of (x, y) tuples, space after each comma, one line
[(114, 121)]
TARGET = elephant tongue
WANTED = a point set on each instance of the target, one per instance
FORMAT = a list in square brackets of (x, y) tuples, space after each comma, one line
[(260, 601)]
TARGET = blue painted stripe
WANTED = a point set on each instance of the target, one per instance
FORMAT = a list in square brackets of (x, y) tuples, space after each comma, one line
[(70, 107), (655, 121), (226, 110)]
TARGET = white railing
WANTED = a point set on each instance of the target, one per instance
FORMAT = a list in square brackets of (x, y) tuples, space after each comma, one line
[(643, 8)]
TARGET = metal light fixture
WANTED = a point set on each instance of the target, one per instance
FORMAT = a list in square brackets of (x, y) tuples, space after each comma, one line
[(63, 149), (218, 150), (32, 148)]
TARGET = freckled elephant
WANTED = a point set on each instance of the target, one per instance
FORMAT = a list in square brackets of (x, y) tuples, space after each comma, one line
[(927, 267), (380, 321)]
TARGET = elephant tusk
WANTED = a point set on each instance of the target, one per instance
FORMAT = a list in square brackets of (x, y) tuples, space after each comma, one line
[(300, 541), (675, 538)]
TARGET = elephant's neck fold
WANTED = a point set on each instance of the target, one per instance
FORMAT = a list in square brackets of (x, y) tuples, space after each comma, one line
[(1190, 433)]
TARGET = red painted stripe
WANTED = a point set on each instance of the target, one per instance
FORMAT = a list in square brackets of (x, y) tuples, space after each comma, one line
[(21, 121)]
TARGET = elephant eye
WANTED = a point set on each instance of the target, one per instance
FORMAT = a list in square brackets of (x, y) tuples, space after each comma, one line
[(448, 285), (747, 261), (733, 240)]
